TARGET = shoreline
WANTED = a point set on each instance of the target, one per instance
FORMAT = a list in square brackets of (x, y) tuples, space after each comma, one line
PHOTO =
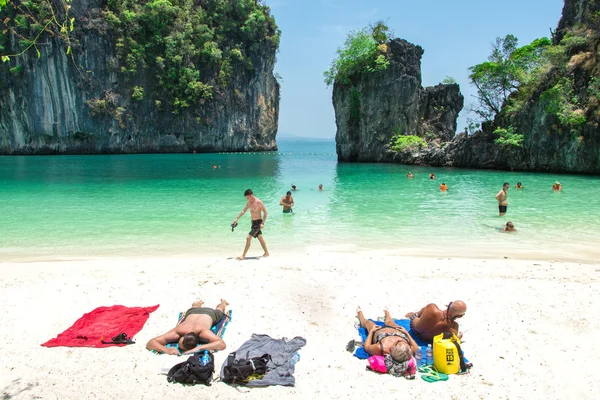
[(591, 258), (515, 308)]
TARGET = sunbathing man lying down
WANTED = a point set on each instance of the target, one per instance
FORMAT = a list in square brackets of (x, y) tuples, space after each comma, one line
[(430, 321), (390, 340), (193, 327)]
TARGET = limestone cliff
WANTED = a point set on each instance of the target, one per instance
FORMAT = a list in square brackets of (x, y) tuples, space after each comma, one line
[(558, 114), (370, 111), (549, 144), (84, 104)]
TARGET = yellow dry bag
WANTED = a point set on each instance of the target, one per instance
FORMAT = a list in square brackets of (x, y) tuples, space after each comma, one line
[(447, 355)]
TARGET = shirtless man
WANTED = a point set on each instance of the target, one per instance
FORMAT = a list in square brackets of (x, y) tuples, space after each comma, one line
[(431, 321), (287, 202), (194, 327), (502, 198), (257, 209)]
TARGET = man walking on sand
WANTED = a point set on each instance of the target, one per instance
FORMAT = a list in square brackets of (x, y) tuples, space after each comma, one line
[(502, 198), (258, 213)]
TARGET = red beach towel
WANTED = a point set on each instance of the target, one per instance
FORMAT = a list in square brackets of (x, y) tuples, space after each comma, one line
[(103, 323)]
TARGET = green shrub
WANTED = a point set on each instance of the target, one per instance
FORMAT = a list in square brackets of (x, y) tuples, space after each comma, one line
[(401, 143), (98, 107), (449, 80), (506, 137), (138, 93), (176, 39), (561, 102), (593, 89), (364, 51), (573, 41)]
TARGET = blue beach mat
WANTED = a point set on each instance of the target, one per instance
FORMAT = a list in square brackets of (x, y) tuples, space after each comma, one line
[(405, 323), (218, 329)]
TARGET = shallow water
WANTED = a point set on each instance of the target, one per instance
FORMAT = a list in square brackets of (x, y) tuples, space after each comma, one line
[(59, 207)]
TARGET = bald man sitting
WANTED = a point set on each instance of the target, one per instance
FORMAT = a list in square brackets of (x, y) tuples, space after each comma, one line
[(431, 321)]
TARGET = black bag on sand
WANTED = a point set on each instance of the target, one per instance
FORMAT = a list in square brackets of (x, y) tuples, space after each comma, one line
[(238, 371), (192, 372)]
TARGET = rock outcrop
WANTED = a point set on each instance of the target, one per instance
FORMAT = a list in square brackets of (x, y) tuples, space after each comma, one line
[(383, 104), (47, 104), (548, 145), (391, 102)]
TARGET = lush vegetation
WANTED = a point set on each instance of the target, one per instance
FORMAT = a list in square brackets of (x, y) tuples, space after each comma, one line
[(513, 75), (507, 69), (29, 22), (402, 143), (507, 137), (192, 50), (365, 51)]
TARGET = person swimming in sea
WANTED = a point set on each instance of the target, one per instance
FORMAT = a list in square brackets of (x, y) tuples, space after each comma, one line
[(321, 186), (287, 202), (509, 227), (293, 187), (557, 187), (518, 186), (432, 176), (410, 175), (443, 187)]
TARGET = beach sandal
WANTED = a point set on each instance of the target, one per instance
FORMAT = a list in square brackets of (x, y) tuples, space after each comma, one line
[(353, 344), (429, 374), (120, 339)]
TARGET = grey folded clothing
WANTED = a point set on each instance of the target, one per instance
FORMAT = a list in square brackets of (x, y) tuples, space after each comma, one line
[(280, 369)]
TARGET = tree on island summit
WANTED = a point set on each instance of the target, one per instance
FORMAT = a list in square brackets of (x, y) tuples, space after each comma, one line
[(363, 52)]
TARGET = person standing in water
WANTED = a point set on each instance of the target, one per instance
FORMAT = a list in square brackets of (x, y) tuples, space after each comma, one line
[(258, 213), (519, 186), (287, 202), (502, 198), (443, 187), (410, 175)]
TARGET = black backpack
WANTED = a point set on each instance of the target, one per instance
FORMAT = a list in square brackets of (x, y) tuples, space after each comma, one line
[(238, 371), (192, 372)]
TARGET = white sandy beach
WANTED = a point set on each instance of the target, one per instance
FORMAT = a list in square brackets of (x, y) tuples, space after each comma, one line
[(529, 331)]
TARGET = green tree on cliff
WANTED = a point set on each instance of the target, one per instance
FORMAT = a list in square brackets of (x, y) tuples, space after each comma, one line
[(364, 51), (508, 67)]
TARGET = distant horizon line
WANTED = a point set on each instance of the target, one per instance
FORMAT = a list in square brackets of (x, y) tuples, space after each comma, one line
[(294, 137)]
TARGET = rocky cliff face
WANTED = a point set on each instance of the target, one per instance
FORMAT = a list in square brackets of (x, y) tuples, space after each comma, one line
[(380, 105), (392, 101), (50, 105), (548, 145)]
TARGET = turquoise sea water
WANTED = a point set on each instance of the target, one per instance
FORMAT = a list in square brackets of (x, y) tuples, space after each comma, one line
[(62, 207)]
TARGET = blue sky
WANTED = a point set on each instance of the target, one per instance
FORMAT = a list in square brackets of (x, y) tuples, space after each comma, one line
[(454, 34)]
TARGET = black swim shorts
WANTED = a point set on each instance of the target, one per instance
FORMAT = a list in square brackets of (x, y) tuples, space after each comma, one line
[(255, 230), (502, 209)]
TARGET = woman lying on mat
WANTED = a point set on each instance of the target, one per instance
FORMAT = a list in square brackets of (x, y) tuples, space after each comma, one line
[(390, 340)]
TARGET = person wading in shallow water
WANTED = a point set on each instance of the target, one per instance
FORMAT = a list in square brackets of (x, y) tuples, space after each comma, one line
[(258, 212), (502, 198), (287, 202)]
